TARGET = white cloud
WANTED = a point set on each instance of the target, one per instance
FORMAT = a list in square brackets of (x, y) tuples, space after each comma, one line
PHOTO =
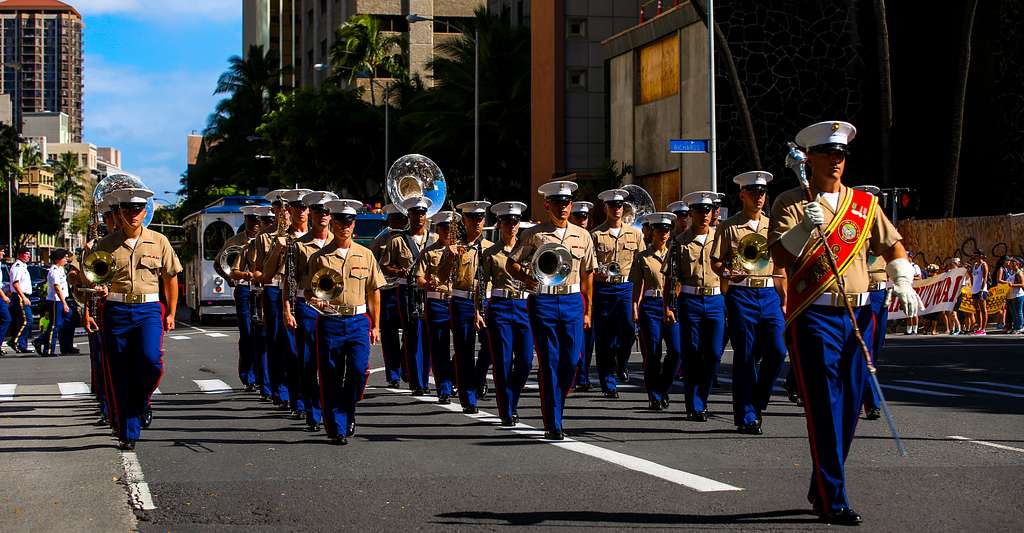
[(163, 9), (146, 115)]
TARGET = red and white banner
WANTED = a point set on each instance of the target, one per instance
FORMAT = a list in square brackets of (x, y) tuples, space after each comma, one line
[(939, 293)]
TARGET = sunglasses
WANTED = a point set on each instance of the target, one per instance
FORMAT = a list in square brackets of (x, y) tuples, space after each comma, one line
[(581, 215), (661, 227), (614, 204), (473, 216), (417, 211), (512, 219), (297, 205), (703, 208), (343, 219), (320, 210), (133, 207), (560, 200)]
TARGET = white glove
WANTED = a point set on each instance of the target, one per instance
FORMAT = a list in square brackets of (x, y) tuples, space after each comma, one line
[(901, 272), (795, 239)]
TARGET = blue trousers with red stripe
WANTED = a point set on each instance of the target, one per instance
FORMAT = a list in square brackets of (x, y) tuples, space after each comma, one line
[(583, 373), (390, 344), (467, 361), (133, 346), (246, 348), (414, 343), (702, 334), (556, 322), (280, 343), (439, 336), (756, 327), (511, 346), (305, 345), (830, 373), (659, 372), (343, 355), (614, 331), (876, 341)]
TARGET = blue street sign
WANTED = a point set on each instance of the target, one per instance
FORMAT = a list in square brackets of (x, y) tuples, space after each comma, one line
[(688, 146)]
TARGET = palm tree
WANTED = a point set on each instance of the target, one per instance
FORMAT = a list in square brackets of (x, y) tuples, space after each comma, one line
[(66, 182), (967, 31), (254, 78), (361, 48), (30, 157)]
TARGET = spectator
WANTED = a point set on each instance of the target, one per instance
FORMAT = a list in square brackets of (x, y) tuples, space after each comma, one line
[(1015, 296), (979, 292)]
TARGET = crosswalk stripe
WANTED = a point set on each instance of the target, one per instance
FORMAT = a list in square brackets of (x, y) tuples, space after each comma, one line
[(180, 337), (921, 391), (960, 387), (215, 334), (73, 389), (212, 386), (7, 391), (993, 384), (986, 443)]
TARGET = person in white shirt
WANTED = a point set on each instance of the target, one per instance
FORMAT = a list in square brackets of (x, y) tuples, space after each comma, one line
[(56, 302), (5, 312), (21, 306)]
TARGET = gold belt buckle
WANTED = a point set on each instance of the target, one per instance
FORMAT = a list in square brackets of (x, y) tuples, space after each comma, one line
[(706, 291), (514, 294), (758, 282), (132, 298), (853, 299), (346, 310)]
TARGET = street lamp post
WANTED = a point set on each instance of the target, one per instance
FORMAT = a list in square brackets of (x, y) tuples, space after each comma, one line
[(413, 18)]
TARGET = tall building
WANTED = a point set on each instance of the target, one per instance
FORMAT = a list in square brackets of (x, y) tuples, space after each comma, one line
[(41, 59), (301, 32)]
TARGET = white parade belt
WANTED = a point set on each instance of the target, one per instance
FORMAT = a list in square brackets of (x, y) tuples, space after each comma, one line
[(755, 282), (510, 294), (878, 286), (616, 280), (831, 299), (654, 293), (462, 294), (701, 291), (437, 295), (132, 298), (559, 289)]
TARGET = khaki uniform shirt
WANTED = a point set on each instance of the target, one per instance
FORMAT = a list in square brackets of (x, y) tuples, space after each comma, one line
[(576, 239), (466, 278), (359, 270), (647, 269), (306, 247), (727, 240), (397, 254), (788, 211), (694, 268), (257, 251), (271, 240), (609, 248), (238, 239), (138, 270), (380, 243), (876, 268), (429, 267), (495, 266)]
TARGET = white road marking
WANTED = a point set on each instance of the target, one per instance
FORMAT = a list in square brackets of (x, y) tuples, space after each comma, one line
[(7, 391), (960, 387), (181, 337), (993, 384), (375, 370), (215, 334), (679, 477), (156, 391), (187, 325), (921, 391), (212, 386), (138, 489), (73, 389), (986, 443)]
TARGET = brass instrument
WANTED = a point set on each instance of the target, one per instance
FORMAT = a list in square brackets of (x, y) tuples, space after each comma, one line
[(413, 176), (98, 267), (327, 286), (610, 269), (551, 264), (121, 180), (637, 204), (226, 260), (751, 254)]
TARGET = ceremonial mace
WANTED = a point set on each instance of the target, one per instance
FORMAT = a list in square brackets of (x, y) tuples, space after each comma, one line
[(796, 160)]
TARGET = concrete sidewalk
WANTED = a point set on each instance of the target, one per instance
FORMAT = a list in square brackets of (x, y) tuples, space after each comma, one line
[(61, 471)]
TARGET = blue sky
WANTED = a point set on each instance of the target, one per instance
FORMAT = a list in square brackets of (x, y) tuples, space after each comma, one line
[(150, 70)]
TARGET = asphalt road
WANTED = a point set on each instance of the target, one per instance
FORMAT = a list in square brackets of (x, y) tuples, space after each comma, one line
[(221, 460)]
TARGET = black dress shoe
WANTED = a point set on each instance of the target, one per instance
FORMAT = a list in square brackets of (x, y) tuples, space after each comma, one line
[(351, 429), (38, 347), (793, 395), (622, 375), (102, 421), (697, 417), (654, 405), (842, 517), (444, 399), (507, 422), (872, 414), (295, 415), (753, 428), (249, 387), (418, 392), (126, 445), (554, 435), (71, 351), (665, 403), (515, 416), (582, 387), (611, 394), (338, 441), (393, 384), (147, 418), (313, 428), (481, 393), (470, 410)]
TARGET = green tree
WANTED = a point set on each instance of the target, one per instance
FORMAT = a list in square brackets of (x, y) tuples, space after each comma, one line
[(8, 155), (67, 184), (361, 49), (30, 157), (31, 215)]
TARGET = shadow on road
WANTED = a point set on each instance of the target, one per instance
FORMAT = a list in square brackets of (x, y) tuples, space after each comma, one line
[(785, 516)]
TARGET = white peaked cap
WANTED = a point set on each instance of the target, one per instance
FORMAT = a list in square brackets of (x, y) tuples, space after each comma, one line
[(700, 198), (679, 206), (659, 218), (613, 195), (392, 209), (479, 206), (508, 208), (558, 188), (251, 210), (131, 195), (294, 195), (417, 202), (275, 196), (319, 198), (834, 133), (754, 177), (344, 207), (445, 216), (582, 207)]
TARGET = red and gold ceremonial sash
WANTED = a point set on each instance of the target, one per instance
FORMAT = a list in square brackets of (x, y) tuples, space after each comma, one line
[(846, 234)]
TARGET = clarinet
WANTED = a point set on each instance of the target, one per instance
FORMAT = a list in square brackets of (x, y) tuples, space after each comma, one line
[(670, 279), (479, 285)]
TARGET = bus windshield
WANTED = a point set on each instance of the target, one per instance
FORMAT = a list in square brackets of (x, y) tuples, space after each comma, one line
[(214, 237)]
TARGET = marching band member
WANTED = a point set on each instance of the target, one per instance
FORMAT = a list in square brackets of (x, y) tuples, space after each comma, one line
[(284, 361), (466, 322), (700, 308), (248, 267), (301, 318), (400, 258), (255, 257), (682, 213), (241, 294), (879, 289), (91, 320), (134, 318), (615, 245), (21, 289), (580, 215), (649, 312), (390, 321), (829, 363), (508, 325), (436, 320), (753, 304), (560, 313), (348, 323)]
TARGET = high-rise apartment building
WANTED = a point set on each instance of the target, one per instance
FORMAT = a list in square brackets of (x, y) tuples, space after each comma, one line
[(41, 59), (302, 32)]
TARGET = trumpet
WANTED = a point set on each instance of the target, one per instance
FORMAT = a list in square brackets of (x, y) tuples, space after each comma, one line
[(752, 253), (551, 264), (327, 286)]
